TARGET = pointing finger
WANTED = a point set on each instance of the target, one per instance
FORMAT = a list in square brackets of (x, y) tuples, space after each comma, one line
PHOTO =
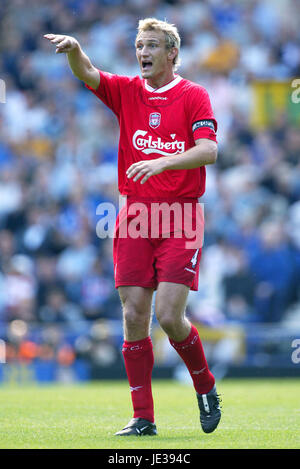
[(49, 36), (57, 39), (61, 44)]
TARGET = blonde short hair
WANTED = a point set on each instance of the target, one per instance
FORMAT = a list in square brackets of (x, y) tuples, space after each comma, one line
[(170, 31)]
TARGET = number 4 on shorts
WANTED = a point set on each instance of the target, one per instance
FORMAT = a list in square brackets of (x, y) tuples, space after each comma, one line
[(194, 258)]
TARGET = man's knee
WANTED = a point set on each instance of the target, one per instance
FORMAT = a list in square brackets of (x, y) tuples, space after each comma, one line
[(134, 317), (136, 310), (136, 304), (167, 320)]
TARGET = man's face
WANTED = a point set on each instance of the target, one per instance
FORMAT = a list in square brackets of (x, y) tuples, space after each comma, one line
[(152, 54)]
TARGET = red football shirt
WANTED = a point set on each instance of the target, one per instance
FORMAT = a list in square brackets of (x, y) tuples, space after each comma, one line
[(156, 123)]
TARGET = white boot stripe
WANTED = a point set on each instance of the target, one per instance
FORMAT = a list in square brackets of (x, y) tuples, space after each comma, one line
[(205, 402)]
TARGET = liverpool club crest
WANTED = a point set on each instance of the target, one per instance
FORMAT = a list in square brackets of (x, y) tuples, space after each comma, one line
[(154, 120)]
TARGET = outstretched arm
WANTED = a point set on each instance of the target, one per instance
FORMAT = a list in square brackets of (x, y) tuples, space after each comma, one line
[(79, 62)]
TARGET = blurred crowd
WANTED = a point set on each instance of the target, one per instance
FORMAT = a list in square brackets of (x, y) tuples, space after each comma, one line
[(58, 158)]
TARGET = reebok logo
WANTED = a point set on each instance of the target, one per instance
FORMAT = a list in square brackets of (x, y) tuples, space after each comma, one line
[(197, 372), (190, 270), (136, 388), (162, 98)]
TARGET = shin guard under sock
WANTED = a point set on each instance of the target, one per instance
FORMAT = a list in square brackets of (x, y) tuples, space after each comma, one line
[(192, 353), (139, 360)]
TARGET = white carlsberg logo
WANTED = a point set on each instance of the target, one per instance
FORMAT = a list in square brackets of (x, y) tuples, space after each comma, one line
[(149, 145)]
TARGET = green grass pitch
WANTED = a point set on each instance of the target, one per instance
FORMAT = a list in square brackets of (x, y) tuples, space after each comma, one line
[(256, 414)]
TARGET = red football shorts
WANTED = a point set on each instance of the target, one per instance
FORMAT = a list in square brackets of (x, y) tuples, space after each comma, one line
[(158, 241)]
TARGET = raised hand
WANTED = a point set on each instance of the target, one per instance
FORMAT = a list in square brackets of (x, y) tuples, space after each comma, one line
[(64, 44)]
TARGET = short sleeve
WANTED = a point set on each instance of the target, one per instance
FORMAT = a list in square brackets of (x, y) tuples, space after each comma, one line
[(109, 90), (201, 117)]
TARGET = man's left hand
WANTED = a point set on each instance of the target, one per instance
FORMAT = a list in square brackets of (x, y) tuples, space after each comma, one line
[(145, 169)]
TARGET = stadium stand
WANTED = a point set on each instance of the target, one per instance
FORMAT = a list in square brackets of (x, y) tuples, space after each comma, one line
[(58, 156)]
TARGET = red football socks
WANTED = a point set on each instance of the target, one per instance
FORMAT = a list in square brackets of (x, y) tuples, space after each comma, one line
[(192, 353), (139, 360)]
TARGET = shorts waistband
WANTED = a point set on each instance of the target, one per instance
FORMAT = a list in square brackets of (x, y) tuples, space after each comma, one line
[(161, 199)]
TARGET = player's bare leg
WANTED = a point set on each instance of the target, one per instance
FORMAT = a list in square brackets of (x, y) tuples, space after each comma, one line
[(170, 304), (137, 311), (170, 307), (138, 358)]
